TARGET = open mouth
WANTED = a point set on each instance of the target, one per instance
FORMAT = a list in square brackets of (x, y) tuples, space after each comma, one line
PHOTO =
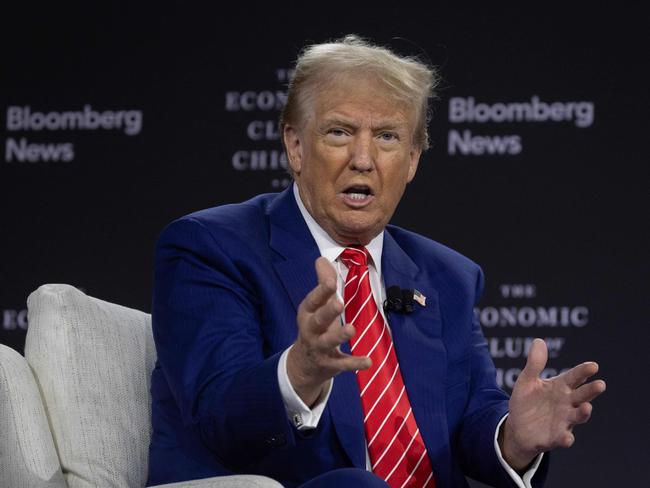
[(358, 192)]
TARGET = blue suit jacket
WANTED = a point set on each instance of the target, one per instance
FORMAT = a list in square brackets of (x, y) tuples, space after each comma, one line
[(228, 282)]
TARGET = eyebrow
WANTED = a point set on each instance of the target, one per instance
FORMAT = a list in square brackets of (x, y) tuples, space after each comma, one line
[(344, 121), (337, 121)]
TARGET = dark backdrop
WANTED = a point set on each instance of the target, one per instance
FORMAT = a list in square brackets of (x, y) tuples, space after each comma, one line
[(553, 205)]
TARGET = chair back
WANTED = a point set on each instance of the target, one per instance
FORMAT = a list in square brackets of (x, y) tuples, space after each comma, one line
[(93, 360), (27, 455)]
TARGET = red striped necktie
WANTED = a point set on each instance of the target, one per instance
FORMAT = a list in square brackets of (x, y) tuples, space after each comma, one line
[(395, 446)]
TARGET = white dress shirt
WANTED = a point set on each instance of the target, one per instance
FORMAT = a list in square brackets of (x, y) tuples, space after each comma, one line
[(298, 412)]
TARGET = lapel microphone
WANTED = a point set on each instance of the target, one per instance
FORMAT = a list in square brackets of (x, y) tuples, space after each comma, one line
[(398, 300)]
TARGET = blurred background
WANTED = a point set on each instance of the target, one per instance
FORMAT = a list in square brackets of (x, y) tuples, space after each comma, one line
[(119, 118)]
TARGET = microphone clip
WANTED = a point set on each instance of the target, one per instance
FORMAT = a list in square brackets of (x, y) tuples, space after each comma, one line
[(398, 300)]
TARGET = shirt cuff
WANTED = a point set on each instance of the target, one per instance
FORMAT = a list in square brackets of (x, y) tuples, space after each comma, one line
[(300, 415), (521, 481)]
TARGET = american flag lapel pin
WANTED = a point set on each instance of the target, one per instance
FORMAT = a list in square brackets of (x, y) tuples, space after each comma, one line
[(419, 297)]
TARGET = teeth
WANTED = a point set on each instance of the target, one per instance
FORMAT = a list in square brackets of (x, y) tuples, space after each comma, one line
[(357, 196)]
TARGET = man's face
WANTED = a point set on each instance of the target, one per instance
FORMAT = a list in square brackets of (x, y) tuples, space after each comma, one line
[(352, 158)]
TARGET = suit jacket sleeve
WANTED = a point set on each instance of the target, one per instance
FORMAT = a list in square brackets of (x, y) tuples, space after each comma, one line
[(486, 406), (207, 332)]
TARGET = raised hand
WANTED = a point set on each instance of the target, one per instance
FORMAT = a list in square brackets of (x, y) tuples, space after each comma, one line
[(315, 357), (544, 412)]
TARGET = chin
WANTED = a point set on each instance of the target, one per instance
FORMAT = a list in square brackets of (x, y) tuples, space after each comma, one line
[(358, 234)]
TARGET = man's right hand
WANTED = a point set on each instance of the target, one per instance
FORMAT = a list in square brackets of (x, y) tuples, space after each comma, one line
[(315, 357)]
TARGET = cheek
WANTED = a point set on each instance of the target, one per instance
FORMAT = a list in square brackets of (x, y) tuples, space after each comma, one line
[(320, 187), (394, 183), (394, 194)]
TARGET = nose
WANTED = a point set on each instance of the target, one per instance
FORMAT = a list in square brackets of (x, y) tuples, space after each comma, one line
[(362, 154)]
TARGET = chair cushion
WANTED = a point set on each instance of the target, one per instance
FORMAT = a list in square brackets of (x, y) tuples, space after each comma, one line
[(234, 481), (93, 361), (27, 455)]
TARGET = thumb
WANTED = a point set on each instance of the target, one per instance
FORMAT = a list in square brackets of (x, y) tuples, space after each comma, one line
[(536, 362)]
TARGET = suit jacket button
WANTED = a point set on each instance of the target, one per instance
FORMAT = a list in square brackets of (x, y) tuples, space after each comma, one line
[(277, 440)]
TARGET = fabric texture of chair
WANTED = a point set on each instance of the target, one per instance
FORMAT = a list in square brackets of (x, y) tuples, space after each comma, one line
[(81, 416), (92, 360), (27, 455)]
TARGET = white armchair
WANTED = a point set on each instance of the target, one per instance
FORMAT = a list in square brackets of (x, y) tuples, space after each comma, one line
[(75, 412)]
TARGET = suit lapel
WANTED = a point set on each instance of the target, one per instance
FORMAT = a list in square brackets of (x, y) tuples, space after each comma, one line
[(417, 336), (296, 248), (419, 347), (296, 253), (347, 414)]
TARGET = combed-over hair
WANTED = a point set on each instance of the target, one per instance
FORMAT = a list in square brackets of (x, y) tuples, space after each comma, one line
[(408, 79)]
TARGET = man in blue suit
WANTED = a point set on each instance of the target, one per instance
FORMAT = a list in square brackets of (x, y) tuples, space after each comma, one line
[(255, 372)]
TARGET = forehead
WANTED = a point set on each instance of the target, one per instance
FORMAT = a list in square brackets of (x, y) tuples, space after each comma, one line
[(361, 99)]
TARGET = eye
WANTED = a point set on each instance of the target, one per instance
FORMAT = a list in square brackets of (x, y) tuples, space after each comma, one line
[(336, 132), (388, 136), (337, 136)]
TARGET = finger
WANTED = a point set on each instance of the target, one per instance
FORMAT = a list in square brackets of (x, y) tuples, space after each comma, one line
[(536, 362), (325, 272), (324, 290), (581, 414), (588, 392), (348, 362), (335, 336), (322, 319), (577, 375), (567, 440)]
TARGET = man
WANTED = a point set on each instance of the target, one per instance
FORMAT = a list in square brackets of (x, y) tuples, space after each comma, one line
[(269, 365)]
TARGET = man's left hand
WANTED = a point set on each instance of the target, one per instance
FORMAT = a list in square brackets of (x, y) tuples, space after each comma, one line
[(543, 412)]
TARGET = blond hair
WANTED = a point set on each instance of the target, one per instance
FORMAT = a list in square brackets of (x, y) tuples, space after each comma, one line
[(407, 79)]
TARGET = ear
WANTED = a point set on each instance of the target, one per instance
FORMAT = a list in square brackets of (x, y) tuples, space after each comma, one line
[(293, 145), (414, 159)]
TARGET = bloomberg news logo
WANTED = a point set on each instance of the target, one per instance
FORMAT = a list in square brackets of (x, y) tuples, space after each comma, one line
[(470, 112), (26, 121)]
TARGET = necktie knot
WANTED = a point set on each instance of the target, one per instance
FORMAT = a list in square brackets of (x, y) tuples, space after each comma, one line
[(354, 256)]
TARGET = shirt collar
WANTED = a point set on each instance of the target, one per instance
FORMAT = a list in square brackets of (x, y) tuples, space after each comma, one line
[(327, 246)]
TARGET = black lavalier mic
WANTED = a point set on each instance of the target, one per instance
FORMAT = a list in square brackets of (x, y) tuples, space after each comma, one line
[(393, 302), (407, 300), (398, 300)]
